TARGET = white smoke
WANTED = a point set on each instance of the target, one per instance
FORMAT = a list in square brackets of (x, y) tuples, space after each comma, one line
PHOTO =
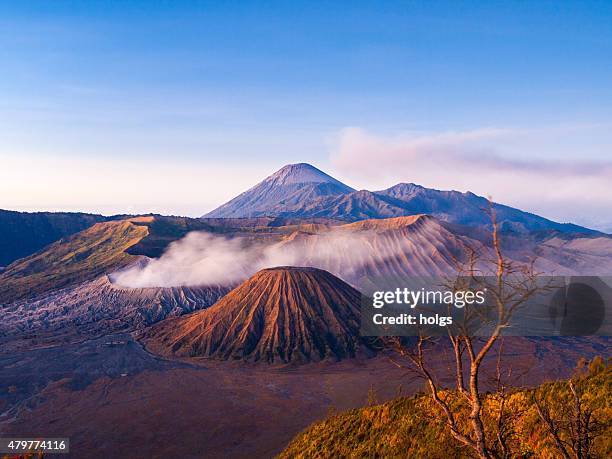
[(202, 258)]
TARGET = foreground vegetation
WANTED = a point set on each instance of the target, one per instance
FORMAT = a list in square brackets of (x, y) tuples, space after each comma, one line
[(540, 422)]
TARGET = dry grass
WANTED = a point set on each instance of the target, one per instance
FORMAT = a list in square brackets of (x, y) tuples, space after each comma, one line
[(413, 427)]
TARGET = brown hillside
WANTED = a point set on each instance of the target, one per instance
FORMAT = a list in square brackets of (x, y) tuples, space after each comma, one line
[(371, 254), (383, 224), (78, 258), (281, 314)]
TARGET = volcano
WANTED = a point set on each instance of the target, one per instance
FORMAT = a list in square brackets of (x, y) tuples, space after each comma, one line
[(303, 191), (283, 193), (280, 315)]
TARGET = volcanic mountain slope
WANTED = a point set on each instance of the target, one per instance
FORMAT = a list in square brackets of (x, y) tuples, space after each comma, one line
[(100, 307), (467, 209), (302, 191), (404, 199), (285, 314), (23, 233), (283, 192), (377, 253), (358, 205), (370, 253), (81, 257)]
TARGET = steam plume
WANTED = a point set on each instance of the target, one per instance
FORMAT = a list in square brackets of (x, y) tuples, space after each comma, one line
[(202, 258)]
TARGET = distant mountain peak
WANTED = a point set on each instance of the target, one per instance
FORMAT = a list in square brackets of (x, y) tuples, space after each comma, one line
[(406, 188), (408, 185), (288, 188), (403, 189), (302, 173), (302, 191)]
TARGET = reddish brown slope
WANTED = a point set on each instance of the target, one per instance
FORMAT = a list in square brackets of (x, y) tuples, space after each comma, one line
[(278, 315)]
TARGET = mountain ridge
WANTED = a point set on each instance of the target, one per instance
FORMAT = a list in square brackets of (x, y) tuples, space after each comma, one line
[(23, 233), (99, 307), (303, 191), (77, 258)]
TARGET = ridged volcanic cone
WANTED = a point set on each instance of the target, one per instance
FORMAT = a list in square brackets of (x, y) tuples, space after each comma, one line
[(283, 314)]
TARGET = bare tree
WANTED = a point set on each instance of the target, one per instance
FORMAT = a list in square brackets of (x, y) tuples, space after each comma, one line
[(510, 286), (569, 423)]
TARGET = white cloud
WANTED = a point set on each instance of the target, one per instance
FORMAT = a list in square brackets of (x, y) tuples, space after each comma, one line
[(492, 162)]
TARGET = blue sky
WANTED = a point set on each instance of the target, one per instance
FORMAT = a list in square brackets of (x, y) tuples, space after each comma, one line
[(209, 97)]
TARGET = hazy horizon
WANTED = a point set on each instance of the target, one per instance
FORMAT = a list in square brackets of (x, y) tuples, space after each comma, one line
[(170, 210)]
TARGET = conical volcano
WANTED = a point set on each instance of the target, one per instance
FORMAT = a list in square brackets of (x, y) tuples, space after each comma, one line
[(283, 193), (284, 314)]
